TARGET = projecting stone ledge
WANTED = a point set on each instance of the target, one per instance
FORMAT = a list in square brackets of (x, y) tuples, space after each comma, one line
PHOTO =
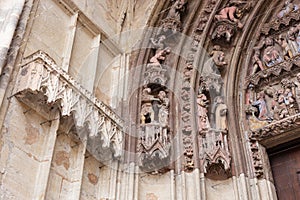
[(43, 86)]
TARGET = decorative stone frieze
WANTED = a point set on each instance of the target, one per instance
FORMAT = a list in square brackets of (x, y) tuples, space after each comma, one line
[(41, 83)]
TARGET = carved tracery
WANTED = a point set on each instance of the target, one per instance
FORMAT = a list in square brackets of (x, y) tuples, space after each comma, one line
[(42, 85)]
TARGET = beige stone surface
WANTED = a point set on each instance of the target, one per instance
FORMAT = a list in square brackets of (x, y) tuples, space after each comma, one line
[(154, 187), (90, 179), (50, 30), (23, 153), (220, 189), (65, 173)]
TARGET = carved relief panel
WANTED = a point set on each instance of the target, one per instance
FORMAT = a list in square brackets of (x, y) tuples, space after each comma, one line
[(272, 99)]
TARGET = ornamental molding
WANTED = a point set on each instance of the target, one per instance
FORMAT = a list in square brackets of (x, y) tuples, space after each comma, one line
[(41, 83), (275, 25)]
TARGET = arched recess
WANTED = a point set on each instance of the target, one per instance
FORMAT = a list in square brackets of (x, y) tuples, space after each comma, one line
[(225, 46), (264, 86)]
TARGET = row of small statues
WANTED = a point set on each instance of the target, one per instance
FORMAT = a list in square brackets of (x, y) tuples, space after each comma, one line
[(271, 51), (219, 109), (275, 104)]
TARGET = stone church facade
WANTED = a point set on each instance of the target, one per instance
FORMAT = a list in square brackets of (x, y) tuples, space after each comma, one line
[(150, 100)]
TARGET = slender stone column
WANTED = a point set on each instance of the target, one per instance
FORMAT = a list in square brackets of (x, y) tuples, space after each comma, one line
[(10, 11)]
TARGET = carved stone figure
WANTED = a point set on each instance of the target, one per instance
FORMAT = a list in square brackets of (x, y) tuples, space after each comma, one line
[(225, 30), (164, 108), (173, 19), (293, 36), (257, 63), (218, 57), (221, 114), (215, 62), (230, 13), (146, 94), (262, 106), (286, 50), (288, 8), (279, 106), (271, 51), (160, 56), (202, 109), (176, 9), (161, 51), (159, 42), (202, 23)]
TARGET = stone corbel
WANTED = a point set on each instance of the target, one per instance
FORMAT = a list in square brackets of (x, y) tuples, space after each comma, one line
[(42, 84)]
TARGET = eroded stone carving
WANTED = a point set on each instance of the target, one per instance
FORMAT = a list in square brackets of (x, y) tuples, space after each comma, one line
[(172, 23), (289, 12), (41, 83), (289, 7), (213, 130), (202, 111), (228, 20), (154, 132)]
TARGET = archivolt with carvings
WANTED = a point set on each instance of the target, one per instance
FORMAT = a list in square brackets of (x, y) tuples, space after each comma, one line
[(272, 85)]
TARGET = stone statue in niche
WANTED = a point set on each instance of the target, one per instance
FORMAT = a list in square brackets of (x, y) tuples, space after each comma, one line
[(288, 8), (257, 63), (221, 114), (218, 56), (176, 9), (164, 108), (271, 54), (154, 141), (202, 110)]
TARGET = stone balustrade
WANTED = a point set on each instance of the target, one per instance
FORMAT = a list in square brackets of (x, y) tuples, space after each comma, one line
[(41, 81)]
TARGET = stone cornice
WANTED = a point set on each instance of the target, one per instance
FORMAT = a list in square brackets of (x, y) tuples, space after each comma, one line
[(274, 129), (275, 24), (275, 70)]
